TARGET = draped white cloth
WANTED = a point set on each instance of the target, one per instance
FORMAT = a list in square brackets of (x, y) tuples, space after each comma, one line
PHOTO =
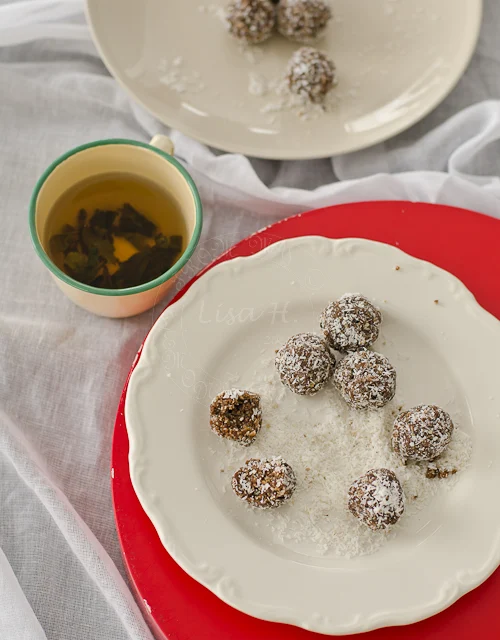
[(61, 370)]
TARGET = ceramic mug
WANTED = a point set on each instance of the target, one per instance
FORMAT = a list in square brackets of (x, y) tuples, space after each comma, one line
[(153, 161)]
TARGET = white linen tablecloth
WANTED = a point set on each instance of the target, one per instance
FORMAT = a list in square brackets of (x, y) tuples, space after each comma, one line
[(62, 370)]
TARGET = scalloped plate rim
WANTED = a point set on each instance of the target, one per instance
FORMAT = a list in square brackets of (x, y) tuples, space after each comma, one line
[(455, 586)]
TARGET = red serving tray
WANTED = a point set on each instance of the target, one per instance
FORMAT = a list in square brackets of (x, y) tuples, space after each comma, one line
[(465, 243)]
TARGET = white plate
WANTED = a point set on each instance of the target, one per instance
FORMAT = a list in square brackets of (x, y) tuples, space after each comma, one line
[(396, 60), (446, 353)]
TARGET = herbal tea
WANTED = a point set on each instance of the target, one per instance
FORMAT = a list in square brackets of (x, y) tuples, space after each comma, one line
[(115, 231)]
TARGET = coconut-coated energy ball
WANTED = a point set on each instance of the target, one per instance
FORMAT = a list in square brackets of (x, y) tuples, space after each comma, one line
[(265, 484), (350, 323), (305, 364), (303, 20), (365, 379), (251, 21), (236, 414), (377, 499), (310, 74), (422, 433)]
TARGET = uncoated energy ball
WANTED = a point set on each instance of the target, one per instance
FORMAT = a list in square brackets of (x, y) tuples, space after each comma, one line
[(310, 74), (350, 323), (422, 433), (303, 20), (377, 499), (265, 484), (251, 21), (365, 379), (236, 415), (305, 364)]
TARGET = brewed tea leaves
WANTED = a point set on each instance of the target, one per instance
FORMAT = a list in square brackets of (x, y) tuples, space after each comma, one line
[(173, 242), (131, 221), (139, 241), (83, 268), (88, 248), (103, 220), (103, 244), (147, 265), (64, 242)]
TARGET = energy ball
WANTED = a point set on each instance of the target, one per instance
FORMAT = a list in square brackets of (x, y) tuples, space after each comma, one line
[(236, 415), (350, 323), (310, 74), (365, 379), (377, 499), (265, 484), (422, 433), (305, 364), (303, 20), (251, 21)]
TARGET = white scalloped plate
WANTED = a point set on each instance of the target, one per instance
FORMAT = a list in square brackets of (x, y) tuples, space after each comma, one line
[(396, 61), (446, 353)]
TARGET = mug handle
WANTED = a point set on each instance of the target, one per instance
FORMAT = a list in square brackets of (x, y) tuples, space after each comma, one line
[(163, 143)]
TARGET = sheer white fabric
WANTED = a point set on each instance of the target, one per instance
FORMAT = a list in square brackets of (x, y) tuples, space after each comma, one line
[(61, 370)]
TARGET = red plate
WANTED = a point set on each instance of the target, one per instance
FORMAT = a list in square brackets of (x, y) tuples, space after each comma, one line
[(175, 605)]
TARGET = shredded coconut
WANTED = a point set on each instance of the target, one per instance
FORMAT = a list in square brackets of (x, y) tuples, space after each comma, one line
[(265, 484), (329, 446), (310, 73), (422, 433), (215, 10), (304, 363), (250, 21), (351, 322), (252, 54), (232, 394), (303, 20), (365, 379), (377, 499), (257, 84), (283, 100), (174, 77)]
